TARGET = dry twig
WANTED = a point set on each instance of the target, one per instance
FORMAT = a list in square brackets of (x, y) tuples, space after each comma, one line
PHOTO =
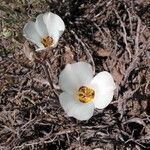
[(124, 34), (89, 56)]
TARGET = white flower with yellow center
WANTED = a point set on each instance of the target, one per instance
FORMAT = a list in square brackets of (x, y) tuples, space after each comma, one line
[(83, 92), (45, 31)]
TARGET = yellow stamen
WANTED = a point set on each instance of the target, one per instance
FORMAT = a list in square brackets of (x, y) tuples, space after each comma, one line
[(47, 41), (85, 94)]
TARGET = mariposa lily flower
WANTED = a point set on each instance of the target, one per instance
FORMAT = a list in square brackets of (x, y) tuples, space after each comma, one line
[(45, 31), (83, 92)]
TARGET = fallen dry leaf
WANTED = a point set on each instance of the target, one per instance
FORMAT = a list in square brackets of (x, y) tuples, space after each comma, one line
[(103, 52), (118, 72), (68, 55), (30, 54)]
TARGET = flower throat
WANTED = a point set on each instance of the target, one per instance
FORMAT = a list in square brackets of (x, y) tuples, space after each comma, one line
[(85, 94), (47, 41)]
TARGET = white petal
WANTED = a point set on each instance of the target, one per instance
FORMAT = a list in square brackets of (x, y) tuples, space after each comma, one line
[(40, 26), (40, 48), (55, 25), (104, 86), (104, 80), (75, 108), (83, 71), (30, 33), (102, 98), (74, 76)]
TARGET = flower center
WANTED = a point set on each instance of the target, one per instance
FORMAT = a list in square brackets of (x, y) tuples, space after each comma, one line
[(85, 94), (47, 41)]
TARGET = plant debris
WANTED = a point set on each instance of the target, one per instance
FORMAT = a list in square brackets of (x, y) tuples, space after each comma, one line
[(112, 35)]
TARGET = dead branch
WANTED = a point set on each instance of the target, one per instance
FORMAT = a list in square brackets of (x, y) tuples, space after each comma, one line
[(124, 35), (137, 36), (89, 56)]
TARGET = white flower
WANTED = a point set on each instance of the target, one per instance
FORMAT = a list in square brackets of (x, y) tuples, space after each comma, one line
[(82, 93), (45, 31)]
